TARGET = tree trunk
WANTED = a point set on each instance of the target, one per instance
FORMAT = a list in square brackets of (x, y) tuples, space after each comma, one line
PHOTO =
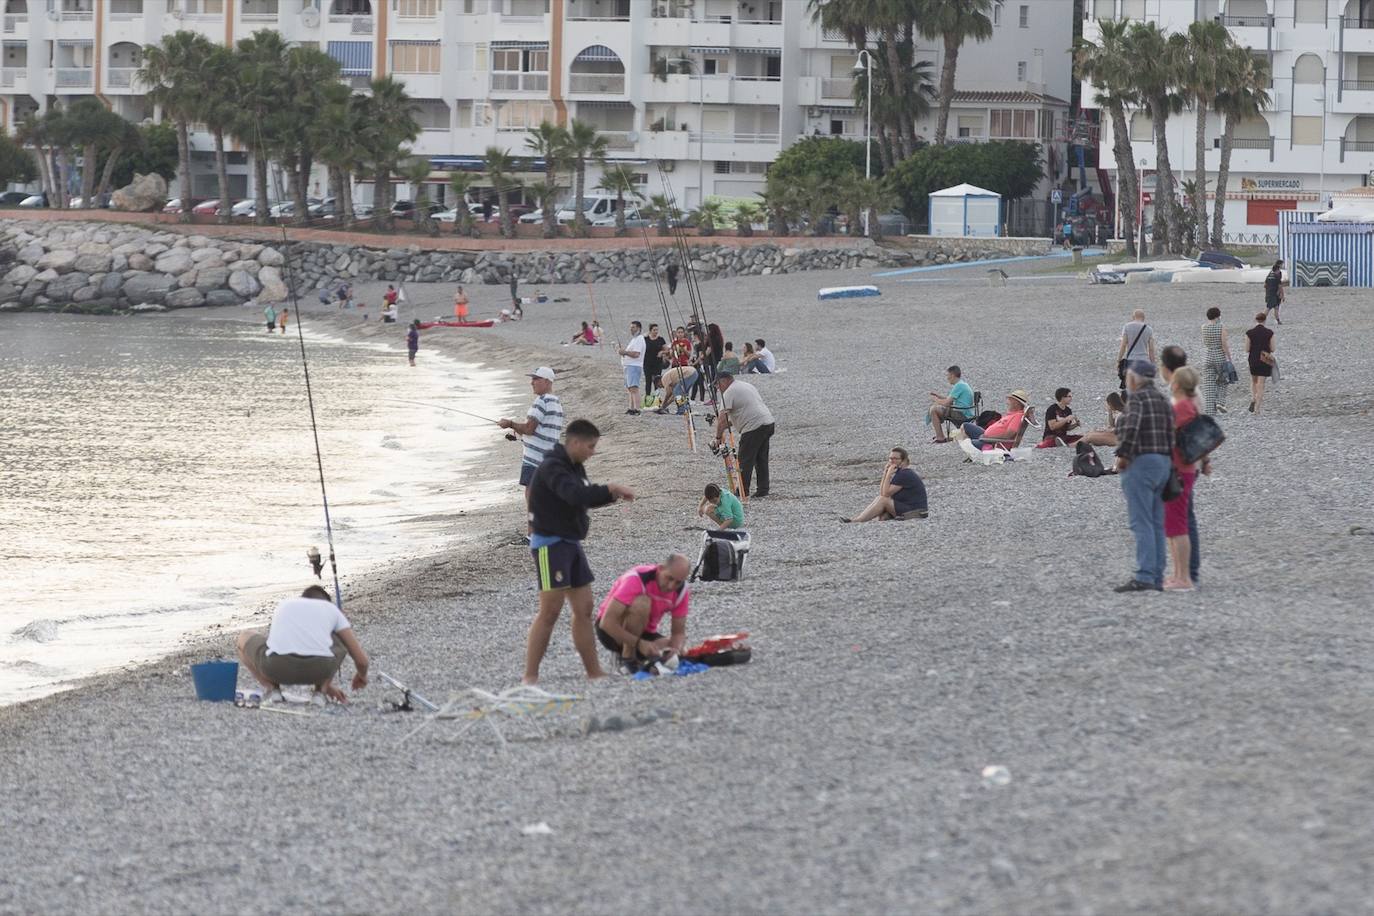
[(107, 174), (263, 212), (905, 129), (1128, 189), (344, 199), (381, 199), (222, 173), (88, 166), (45, 172), (580, 191), (1228, 136), (336, 189), (300, 177), (550, 209), (1165, 227), (620, 231), (884, 143), (946, 86), (1200, 177), (64, 166), (507, 224), (184, 167), (875, 228)]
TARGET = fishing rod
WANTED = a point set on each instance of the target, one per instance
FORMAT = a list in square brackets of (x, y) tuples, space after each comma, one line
[(466, 413), (314, 426)]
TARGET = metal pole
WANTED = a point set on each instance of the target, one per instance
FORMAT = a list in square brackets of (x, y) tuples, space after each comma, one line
[(701, 138), (868, 126), (1140, 215)]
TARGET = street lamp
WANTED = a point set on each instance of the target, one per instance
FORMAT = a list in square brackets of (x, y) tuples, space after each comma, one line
[(864, 65), (701, 124), (1140, 212)]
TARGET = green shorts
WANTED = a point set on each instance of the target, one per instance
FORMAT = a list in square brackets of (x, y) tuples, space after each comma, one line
[(284, 670)]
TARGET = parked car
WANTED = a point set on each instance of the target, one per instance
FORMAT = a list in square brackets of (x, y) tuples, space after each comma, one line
[(405, 209), (13, 198), (208, 208), (33, 200), (174, 205), (633, 219), (244, 208)]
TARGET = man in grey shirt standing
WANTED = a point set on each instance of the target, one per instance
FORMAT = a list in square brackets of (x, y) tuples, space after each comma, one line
[(742, 408), (1137, 343)]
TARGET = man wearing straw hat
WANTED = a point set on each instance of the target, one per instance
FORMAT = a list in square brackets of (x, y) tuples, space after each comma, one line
[(1003, 429), (305, 644)]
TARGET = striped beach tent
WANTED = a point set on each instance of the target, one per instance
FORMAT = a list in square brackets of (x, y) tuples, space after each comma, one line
[(1322, 251)]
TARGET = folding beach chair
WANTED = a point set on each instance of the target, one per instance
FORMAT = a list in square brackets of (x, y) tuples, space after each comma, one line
[(523, 704), (1003, 450)]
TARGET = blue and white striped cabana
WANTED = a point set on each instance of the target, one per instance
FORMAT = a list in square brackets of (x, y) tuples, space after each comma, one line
[(1305, 242)]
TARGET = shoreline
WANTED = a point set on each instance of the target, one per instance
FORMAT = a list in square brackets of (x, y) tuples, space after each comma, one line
[(1179, 752)]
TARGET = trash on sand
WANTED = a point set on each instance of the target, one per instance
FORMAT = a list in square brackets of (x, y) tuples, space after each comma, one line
[(539, 829), (996, 775)]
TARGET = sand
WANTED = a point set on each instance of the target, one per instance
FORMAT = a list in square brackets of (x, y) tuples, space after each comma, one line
[(1199, 752)]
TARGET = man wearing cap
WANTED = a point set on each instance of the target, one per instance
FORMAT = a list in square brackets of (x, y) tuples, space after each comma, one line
[(1002, 430), (632, 363), (1145, 444), (541, 426), (742, 408)]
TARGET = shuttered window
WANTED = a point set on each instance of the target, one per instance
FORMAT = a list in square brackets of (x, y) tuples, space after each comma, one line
[(415, 57), (1307, 130)]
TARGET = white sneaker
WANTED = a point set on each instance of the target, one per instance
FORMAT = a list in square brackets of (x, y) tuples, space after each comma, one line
[(318, 699), (274, 696)]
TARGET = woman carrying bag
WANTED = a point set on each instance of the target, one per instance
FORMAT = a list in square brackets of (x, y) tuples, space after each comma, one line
[(1259, 350)]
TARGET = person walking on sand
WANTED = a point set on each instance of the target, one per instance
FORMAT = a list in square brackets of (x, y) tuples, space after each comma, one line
[(270, 314), (632, 362), (1145, 445), (413, 340), (282, 317), (460, 305), (1259, 352), (1179, 511), (1217, 367), (305, 644), (672, 272), (559, 497), (541, 427), (742, 408), (516, 310), (1273, 291), (1137, 343)]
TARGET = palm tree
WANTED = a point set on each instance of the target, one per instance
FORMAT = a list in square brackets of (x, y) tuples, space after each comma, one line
[(91, 126), (124, 138), (584, 143), (311, 83), (500, 171), (261, 71), (1103, 64), (859, 196), (460, 183), (1153, 55), (1245, 96), (1203, 67), (658, 209), (549, 142), (953, 22), (815, 195), (339, 125), (620, 181), (779, 201), (175, 74), (707, 215), (746, 214), (389, 127), (218, 109), (33, 132)]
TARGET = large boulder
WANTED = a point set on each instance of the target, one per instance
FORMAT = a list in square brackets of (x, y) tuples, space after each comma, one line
[(140, 262), (244, 284), (271, 257), (110, 284), (21, 274), (202, 254), (32, 252), (92, 263), (185, 298), (221, 297), (146, 287), (64, 287), (176, 262), (61, 260), (144, 193), (273, 289), (251, 267), (208, 278)]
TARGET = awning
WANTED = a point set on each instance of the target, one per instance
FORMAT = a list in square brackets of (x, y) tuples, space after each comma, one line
[(603, 103), (456, 164), (709, 50), (598, 54), (523, 45), (771, 52), (409, 41), (354, 57), (75, 42), (834, 109)]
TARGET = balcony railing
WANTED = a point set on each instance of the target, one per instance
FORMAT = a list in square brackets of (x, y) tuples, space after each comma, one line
[(1356, 146), (259, 14), (1264, 143), (1247, 22), (832, 88), (13, 22), (1357, 85), (120, 77), (74, 77), (78, 16), (618, 139), (717, 136), (124, 15), (832, 35), (603, 83), (11, 75), (519, 82), (609, 17), (358, 25), (1357, 22)]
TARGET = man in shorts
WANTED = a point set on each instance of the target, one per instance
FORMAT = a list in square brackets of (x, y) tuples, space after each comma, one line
[(305, 644), (559, 497), (632, 362), (541, 427), (629, 618)]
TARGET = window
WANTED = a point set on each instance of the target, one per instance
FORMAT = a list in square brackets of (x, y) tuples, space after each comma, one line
[(516, 60), (1307, 130), (1024, 18), (1010, 124), (417, 9), (415, 57), (522, 114), (722, 168), (715, 66), (1310, 11), (1142, 128), (431, 114), (1020, 71), (1308, 70), (970, 125)]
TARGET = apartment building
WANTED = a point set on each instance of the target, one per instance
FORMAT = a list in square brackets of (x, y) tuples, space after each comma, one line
[(1316, 138), (711, 90)]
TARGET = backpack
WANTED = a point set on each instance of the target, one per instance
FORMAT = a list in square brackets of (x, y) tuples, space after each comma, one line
[(720, 562), (1086, 463)]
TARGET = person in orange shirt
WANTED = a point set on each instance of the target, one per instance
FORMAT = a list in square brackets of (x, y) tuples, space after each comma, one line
[(281, 319), (460, 305)]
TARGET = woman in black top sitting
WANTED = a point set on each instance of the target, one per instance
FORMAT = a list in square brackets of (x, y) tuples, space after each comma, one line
[(1059, 421), (901, 492)]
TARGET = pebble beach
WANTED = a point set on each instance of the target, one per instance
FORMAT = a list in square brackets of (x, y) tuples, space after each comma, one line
[(954, 715)]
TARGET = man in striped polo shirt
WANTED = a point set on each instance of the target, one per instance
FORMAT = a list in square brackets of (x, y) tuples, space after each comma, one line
[(541, 427)]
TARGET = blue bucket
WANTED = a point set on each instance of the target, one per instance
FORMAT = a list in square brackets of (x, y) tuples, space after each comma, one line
[(216, 680)]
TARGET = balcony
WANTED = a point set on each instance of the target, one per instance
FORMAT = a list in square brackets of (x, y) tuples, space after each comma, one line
[(74, 77), (837, 89), (1355, 22), (597, 83), (1355, 146), (126, 10), (717, 136), (599, 11), (358, 25), (1357, 85), (526, 10), (259, 12), (13, 76), (76, 14), (665, 144), (1254, 21), (619, 139), (14, 23), (120, 77), (519, 82), (1264, 143)]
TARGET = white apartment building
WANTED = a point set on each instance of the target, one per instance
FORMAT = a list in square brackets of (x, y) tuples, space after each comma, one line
[(737, 80), (1316, 138)]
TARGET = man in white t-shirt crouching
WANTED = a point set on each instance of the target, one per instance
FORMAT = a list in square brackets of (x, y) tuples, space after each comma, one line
[(306, 644)]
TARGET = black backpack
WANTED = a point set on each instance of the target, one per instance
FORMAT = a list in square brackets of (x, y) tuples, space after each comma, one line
[(1086, 463), (720, 562)]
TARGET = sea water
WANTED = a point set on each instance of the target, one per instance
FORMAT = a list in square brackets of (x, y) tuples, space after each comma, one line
[(158, 477)]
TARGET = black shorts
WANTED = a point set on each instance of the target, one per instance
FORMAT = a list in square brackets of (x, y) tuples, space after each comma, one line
[(562, 565), (610, 642)]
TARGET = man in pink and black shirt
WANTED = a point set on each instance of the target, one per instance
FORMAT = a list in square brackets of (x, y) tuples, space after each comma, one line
[(628, 620)]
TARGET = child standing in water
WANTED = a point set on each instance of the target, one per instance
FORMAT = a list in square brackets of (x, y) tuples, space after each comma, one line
[(413, 339), (282, 318), (271, 315)]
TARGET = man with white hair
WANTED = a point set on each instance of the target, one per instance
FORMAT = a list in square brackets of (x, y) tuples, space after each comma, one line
[(629, 618), (1145, 445), (1137, 343)]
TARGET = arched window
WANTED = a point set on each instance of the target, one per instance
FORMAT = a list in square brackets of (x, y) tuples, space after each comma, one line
[(1308, 70)]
